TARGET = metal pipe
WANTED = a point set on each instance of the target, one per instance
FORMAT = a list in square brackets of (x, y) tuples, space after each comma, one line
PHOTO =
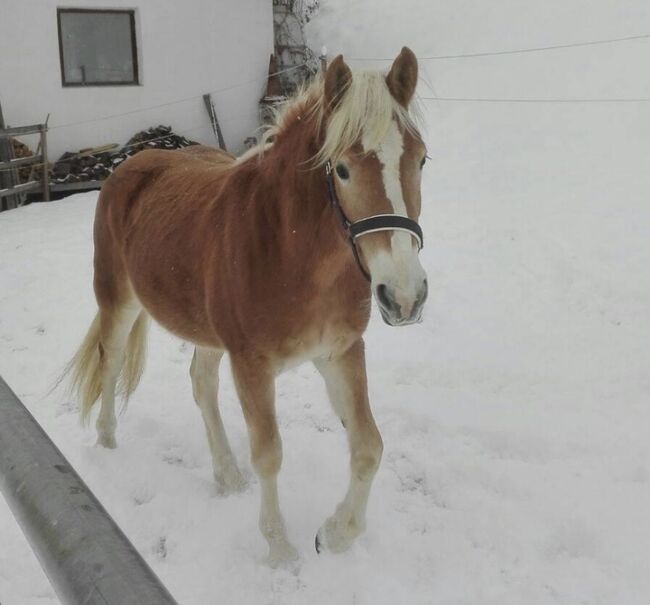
[(84, 553), (46, 166)]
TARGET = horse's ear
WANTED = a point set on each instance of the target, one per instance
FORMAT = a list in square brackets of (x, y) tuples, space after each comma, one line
[(337, 79), (403, 77)]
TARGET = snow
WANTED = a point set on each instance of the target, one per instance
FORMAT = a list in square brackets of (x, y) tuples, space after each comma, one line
[(515, 418)]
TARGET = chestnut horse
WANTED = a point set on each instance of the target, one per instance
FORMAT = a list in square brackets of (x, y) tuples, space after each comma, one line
[(249, 256)]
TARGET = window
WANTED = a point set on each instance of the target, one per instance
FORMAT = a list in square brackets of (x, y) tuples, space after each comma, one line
[(97, 47)]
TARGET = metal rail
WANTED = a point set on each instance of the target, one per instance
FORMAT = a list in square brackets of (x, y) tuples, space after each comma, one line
[(85, 555)]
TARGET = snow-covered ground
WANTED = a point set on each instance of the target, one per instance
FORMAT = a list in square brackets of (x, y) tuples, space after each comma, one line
[(516, 418)]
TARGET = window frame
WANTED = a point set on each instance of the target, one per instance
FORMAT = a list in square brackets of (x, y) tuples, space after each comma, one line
[(134, 47)]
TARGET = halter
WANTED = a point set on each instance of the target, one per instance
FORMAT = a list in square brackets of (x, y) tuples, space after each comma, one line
[(371, 224)]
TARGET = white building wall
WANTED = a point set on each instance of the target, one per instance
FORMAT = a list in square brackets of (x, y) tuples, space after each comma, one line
[(186, 48)]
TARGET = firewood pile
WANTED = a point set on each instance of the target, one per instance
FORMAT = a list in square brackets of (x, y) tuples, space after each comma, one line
[(98, 163), (22, 151)]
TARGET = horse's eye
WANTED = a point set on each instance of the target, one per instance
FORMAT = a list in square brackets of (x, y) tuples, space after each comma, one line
[(423, 162), (342, 171)]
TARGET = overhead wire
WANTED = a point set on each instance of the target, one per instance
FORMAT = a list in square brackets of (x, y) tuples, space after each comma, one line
[(167, 104), (538, 100), (434, 98), (515, 51), (139, 110)]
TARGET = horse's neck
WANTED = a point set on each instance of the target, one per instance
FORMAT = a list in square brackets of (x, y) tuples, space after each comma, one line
[(306, 225), (303, 192)]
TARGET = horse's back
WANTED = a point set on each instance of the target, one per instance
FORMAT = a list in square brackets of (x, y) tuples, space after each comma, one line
[(211, 155), (151, 164), (155, 175)]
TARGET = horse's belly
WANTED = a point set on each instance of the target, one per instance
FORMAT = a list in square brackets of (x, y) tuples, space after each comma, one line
[(177, 306), (321, 344)]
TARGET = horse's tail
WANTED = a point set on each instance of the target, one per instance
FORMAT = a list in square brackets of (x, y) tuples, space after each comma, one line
[(85, 368), (85, 371), (136, 349)]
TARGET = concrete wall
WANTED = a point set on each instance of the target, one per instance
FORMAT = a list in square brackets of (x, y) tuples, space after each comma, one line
[(185, 49)]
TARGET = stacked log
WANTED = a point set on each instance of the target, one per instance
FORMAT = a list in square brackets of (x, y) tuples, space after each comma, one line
[(73, 168), (160, 137), (97, 164)]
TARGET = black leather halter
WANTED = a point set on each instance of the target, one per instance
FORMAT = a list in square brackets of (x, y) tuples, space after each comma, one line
[(372, 224)]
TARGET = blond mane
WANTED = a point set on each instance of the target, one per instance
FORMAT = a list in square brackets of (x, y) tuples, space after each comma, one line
[(366, 108)]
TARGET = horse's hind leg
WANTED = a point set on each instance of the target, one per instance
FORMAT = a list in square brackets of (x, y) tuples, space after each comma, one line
[(116, 325), (345, 378), (205, 383), (255, 385)]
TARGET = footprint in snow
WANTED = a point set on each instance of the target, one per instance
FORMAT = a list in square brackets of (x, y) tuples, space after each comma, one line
[(175, 455), (411, 475), (142, 495), (160, 548)]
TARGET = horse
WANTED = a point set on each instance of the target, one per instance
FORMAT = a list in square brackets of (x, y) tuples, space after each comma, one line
[(272, 257)]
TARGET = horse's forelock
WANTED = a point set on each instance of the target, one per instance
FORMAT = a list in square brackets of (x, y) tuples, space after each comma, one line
[(366, 111)]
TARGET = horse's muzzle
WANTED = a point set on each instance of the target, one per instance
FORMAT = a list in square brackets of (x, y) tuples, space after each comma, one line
[(398, 309)]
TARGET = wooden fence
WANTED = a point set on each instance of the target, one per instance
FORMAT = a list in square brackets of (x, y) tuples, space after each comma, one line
[(10, 187)]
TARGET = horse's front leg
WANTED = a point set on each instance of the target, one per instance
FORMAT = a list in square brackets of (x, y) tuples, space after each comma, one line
[(345, 378), (255, 385)]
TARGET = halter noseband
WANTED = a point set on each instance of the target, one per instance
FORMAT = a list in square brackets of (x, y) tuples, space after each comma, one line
[(371, 224)]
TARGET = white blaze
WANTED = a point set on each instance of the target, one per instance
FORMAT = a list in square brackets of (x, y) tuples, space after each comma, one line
[(400, 268)]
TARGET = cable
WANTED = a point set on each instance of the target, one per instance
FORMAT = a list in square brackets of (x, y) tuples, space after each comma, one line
[(516, 51), (495, 100), (444, 99), (126, 113)]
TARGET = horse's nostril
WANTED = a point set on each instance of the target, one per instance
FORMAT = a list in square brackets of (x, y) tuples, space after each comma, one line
[(383, 297), (423, 293)]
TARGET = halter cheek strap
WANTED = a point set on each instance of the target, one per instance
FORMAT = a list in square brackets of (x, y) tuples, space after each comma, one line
[(371, 224)]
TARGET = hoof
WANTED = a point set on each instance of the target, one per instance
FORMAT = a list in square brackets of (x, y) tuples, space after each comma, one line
[(230, 482), (336, 535), (107, 441), (285, 556)]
